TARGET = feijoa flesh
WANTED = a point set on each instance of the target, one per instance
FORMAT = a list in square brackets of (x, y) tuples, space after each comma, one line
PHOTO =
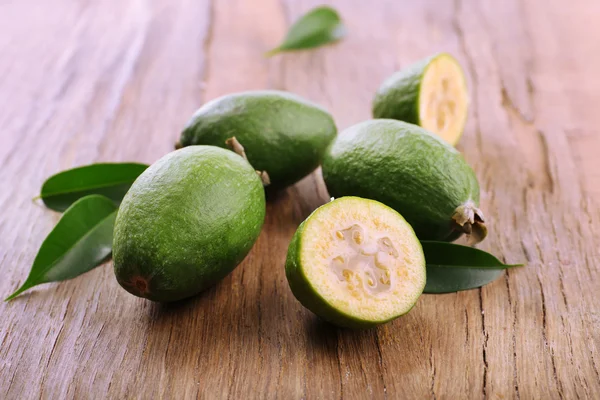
[(356, 263), (431, 93), (186, 223), (411, 170)]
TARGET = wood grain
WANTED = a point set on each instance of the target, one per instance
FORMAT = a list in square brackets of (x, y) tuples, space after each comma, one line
[(82, 82)]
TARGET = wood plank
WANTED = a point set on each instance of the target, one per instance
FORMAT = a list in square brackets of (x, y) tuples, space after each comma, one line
[(116, 81)]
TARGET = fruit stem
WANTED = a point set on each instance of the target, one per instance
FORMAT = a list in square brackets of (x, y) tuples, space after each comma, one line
[(470, 220), (264, 177), (235, 146)]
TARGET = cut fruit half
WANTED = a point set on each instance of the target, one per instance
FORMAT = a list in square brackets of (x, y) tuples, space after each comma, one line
[(443, 100), (431, 93), (356, 263)]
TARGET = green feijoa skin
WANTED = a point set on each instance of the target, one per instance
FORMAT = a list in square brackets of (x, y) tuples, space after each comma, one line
[(411, 170), (186, 223), (356, 263), (431, 93), (283, 135)]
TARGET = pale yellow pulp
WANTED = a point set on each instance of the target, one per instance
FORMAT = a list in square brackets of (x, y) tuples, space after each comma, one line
[(443, 99), (363, 259)]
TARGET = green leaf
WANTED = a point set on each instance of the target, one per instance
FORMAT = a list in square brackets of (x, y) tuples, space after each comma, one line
[(80, 241), (108, 179), (320, 26), (452, 267)]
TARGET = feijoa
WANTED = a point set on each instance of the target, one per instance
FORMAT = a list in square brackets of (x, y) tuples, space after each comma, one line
[(411, 170), (431, 93), (186, 223), (356, 263), (281, 134)]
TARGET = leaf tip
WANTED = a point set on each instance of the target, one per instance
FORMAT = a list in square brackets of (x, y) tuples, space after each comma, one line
[(272, 52), (15, 294)]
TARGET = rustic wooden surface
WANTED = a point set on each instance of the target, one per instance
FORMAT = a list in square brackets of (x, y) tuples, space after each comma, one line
[(91, 81)]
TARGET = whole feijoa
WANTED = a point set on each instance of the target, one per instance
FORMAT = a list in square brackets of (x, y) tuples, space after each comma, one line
[(186, 223), (356, 263), (431, 93), (411, 170), (281, 134)]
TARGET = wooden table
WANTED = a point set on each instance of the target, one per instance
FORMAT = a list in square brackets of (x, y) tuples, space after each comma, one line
[(82, 82)]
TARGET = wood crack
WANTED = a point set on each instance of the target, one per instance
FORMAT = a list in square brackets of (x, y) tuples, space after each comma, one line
[(259, 312), (49, 359), (232, 378), (378, 345), (485, 343), (339, 362), (12, 380), (279, 344), (364, 375), (525, 252), (168, 343), (546, 155), (561, 282), (466, 327), (545, 338), (432, 366), (593, 362), (530, 91), (508, 103), (513, 313)]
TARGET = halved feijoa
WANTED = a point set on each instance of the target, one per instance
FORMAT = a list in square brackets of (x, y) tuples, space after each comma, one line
[(431, 93), (356, 263)]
